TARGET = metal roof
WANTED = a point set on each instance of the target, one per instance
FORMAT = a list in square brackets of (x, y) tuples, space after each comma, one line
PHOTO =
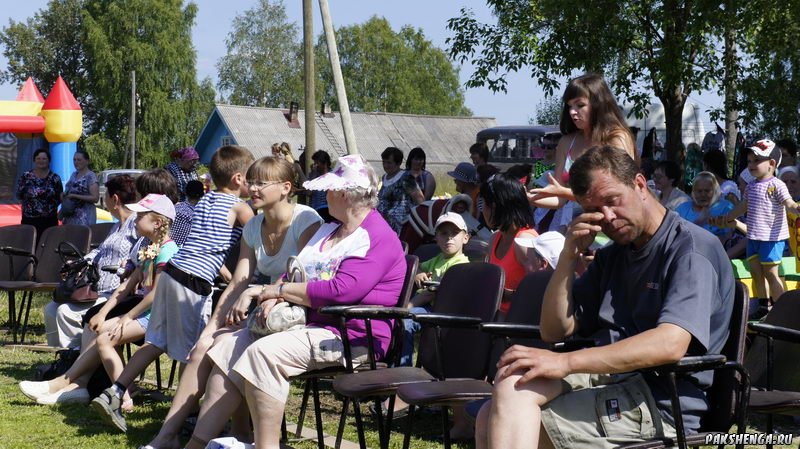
[(446, 140)]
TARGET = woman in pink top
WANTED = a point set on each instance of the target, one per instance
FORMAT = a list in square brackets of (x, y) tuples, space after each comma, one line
[(506, 209), (590, 116)]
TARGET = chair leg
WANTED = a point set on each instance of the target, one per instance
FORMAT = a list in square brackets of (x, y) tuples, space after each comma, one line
[(770, 427), (12, 315), (379, 418), (385, 430), (362, 442), (409, 426), (158, 372), (446, 426), (318, 414), (27, 314), (284, 433), (342, 422), (172, 374), (301, 418)]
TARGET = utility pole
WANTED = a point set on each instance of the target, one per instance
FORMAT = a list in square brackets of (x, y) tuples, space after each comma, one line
[(132, 123), (731, 64), (310, 78), (338, 81)]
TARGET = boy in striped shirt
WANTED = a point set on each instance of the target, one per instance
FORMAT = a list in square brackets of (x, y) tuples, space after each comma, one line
[(767, 229)]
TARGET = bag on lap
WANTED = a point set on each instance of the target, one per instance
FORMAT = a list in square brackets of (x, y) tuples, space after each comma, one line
[(283, 316), (78, 278)]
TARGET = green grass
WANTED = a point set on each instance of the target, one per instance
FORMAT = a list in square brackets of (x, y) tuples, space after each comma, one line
[(24, 424)]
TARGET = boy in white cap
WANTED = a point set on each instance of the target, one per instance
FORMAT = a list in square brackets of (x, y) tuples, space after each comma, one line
[(767, 228), (451, 236)]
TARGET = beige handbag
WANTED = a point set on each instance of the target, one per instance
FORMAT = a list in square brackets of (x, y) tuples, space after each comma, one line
[(283, 316)]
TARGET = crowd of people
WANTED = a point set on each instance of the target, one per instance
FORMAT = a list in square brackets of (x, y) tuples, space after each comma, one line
[(661, 289)]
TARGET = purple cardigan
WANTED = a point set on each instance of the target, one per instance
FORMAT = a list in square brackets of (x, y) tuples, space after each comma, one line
[(375, 279)]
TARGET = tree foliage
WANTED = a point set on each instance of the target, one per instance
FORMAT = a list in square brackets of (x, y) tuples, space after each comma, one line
[(391, 71), (97, 48), (548, 111), (770, 84), (263, 65), (666, 48)]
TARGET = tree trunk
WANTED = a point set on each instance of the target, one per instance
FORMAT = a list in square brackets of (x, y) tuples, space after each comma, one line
[(673, 115)]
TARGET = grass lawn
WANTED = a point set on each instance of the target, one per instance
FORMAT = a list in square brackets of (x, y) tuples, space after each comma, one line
[(24, 424)]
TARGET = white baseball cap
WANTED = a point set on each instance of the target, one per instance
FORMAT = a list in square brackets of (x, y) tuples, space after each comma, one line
[(451, 217), (154, 203), (548, 245)]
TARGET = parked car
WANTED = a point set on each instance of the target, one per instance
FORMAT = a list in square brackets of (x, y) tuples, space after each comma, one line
[(510, 145), (105, 175)]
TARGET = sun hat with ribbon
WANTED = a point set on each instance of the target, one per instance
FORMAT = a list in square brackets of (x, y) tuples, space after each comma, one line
[(350, 172)]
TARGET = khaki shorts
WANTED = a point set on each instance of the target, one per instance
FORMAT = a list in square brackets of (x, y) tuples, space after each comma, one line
[(602, 411)]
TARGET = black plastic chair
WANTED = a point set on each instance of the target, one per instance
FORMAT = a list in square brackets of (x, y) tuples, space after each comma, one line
[(100, 232), (427, 251), (392, 356), (729, 393), (451, 346), (526, 306), (780, 343), (18, 244), (46, 274)]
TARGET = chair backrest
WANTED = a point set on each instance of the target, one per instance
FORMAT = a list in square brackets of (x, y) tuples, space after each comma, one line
[(470, 289), (50, 263), (396, 345), (526, 308), (17, 268), (785, 313), (100, 232), (722, 393), (427, 251)]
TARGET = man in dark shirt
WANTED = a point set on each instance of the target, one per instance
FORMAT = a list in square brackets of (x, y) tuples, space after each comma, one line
[(663, 290)]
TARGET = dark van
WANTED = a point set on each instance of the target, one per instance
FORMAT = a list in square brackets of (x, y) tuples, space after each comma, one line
[(509, 145)]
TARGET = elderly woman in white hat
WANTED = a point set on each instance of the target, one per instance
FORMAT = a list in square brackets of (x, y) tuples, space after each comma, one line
[(356, 260)]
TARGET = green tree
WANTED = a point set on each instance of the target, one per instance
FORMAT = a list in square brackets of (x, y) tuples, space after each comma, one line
[(665, 48), (95, 44), (391, 71), (47, 45), (263, 65), (152, 37), (548, 111), (772, 66)]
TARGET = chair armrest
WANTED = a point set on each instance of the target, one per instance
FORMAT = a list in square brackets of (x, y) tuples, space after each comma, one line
[(512, 330), (11, 251), (110, 268), (691, 364), (439, 319), (376, 312), (334, 310), (573, 345), (777, 332)]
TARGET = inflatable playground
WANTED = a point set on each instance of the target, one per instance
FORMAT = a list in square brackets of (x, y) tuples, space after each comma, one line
[(31, 122)]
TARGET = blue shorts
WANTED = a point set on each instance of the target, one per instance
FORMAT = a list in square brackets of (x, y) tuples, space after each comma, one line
[(768, 252)]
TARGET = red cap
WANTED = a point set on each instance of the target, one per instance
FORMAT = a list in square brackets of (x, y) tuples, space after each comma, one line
[(61, 98)]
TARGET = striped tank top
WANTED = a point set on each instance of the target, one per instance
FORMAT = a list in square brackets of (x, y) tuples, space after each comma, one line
[(210, 239)]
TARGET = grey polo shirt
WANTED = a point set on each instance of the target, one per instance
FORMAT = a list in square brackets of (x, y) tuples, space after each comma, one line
[(681, 276)]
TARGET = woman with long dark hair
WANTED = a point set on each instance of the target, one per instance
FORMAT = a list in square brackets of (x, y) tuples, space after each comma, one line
[(590, 116), (506, 209)]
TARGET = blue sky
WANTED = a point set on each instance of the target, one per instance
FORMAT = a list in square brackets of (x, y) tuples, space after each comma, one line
[(214, 20)]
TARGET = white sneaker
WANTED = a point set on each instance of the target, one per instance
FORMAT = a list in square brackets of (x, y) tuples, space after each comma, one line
[(34, 390), (78, 395)]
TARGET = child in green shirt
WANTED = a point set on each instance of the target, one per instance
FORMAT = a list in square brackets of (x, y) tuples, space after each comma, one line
[(451, 236)]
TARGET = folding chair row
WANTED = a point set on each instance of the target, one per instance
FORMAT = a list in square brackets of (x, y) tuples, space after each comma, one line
[(41, 272)]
